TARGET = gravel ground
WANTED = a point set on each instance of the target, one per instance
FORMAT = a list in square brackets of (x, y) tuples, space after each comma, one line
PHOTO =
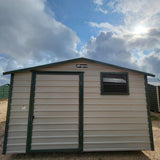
[(156, 136), (139, 155)]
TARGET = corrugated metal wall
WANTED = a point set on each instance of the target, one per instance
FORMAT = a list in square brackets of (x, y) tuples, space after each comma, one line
[(153, 98), (117, 122), (17, 133), (4, 91), (56, 111), (112, 122)]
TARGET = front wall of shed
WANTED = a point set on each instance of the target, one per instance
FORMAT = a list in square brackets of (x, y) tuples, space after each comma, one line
[(111, 122)]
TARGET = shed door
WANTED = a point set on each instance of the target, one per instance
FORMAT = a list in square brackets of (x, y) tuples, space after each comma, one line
[(56, 115)]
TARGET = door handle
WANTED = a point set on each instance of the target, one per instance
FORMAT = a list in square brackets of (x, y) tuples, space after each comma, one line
[(32, 118)]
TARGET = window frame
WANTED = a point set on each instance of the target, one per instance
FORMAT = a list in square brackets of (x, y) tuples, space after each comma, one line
[(114, 93)]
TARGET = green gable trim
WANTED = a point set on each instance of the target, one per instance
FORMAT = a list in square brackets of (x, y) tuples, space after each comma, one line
[(74, 60), (149, 115), (8, 115)]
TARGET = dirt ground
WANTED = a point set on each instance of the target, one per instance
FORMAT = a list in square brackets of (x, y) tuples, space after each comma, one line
[(131, 155)]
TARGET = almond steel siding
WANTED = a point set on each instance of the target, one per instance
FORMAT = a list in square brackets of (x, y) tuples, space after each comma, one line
[(112, 114), (17, 132), (61, 116)]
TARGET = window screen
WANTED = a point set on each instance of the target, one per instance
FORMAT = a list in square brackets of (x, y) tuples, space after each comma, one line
[(114, 83)]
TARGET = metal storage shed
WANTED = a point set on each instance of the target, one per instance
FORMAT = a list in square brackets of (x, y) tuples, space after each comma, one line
[(154, 97), (4, 91), (78, 105)]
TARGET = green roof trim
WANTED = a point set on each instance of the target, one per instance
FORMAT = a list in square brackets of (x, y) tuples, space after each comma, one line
[(74, 60)]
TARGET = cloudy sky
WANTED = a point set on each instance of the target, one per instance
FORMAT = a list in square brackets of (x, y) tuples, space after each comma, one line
[(121, 32)]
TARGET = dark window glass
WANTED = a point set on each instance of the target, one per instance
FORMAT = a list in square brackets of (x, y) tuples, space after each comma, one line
[(114, 83)]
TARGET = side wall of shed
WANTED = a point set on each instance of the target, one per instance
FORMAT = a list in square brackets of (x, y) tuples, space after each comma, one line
[(153, 98), (158, 97)]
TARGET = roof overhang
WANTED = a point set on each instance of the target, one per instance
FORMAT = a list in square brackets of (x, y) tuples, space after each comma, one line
[(74, 60)]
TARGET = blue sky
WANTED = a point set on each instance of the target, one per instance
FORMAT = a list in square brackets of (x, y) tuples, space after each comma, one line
[(121, 32), (77, 15)]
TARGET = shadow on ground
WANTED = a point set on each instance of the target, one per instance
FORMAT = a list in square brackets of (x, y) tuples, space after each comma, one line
[(131, 155)]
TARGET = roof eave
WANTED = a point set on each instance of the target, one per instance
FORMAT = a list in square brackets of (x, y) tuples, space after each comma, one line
[(41, 66), (111, 65), (72, 60)]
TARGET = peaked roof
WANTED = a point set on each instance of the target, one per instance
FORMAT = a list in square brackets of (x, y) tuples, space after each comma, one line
[(74, 60), (154, 83)]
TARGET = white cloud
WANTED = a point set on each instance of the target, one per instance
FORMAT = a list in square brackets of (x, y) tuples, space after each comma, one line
[(109, 48), (119, 50), (98, 2), (152, 61), (27, 30), (107, 27), (148, 41), (30, 34), (7, 63), (135, 13), (138, 11), (102, 10)]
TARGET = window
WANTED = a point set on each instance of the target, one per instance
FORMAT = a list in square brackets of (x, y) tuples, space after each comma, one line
[(114, 83)]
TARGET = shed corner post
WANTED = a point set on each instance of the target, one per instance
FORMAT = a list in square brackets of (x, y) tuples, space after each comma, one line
[(148, 113), (8, 114)]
